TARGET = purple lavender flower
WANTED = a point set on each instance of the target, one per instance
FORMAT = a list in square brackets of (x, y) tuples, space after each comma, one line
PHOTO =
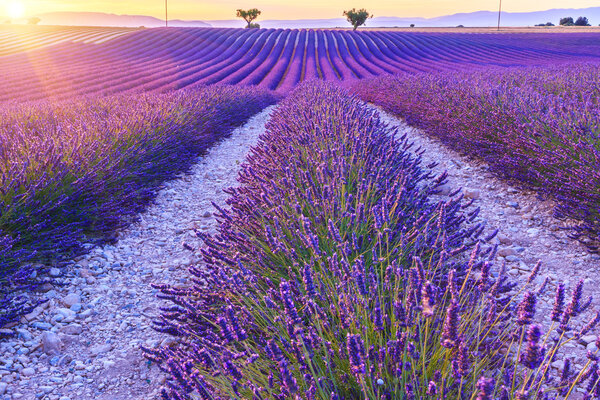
[(590, 325), (288, 302), (526, 309), (485, 387), (593, 387), (533, 356), (239, 332), (428, 300), (225, 331), (452, 284), (534, 272), (356, 353), (462, 358), (232, 369), (450, 329), (359, 277), (432, 388), (574, 306), (288, 380), (309, 284), (559, 301), (333, 231), (377, 317)]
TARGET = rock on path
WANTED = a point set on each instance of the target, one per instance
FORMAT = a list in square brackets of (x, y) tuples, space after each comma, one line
[(527, 230), (84, 343)]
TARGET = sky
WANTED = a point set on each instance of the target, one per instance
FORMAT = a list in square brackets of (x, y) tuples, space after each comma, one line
[(282, 9)]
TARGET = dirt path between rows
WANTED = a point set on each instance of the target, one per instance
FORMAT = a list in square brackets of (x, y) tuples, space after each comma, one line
[(84, 343), (528, 232)]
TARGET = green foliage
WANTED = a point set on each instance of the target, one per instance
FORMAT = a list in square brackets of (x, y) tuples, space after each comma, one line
[(253, 26), (33, 21), (249, 16), (567, 21), (582, 21), (357, 18)]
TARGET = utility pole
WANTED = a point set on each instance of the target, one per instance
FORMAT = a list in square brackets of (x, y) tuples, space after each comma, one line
[(166, 15), (499, 12)]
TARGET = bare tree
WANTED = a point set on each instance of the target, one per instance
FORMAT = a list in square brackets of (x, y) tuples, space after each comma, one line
[(357, 18)]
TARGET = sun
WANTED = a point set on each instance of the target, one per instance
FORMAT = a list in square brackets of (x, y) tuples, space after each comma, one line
[(15, 9)]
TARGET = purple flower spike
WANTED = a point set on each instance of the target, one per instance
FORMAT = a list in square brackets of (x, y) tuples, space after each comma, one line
[(432, 388), (559, 301), (287, 378), (450, 329), (534, 272), (590, 325), (356, 353), (309, 284), (533, 355), (485, 387), (239, 332), (288, 302), (526, 309)]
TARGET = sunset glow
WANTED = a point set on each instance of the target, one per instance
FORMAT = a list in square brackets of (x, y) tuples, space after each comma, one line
[(277, 9), (15, 9)]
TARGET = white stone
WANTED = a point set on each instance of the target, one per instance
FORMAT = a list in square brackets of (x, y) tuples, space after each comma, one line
[(71, 329), (472, 193), (51, 343), (71, 299)]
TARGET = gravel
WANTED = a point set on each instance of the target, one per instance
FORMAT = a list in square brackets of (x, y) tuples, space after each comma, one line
[(84, 342)]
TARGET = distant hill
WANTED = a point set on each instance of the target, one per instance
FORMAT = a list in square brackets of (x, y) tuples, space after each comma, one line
[(103, 19), (490, 18), (478, 19), (473, 19)]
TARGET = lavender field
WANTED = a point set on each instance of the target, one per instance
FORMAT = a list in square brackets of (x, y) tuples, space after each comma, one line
[(273, 59), (339, 264)]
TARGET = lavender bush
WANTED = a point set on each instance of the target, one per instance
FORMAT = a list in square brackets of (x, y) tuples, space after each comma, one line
[(539, 126), (335, 276), (75, 171)]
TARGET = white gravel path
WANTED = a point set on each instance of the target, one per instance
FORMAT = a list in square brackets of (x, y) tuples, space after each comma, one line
[(84, 343)]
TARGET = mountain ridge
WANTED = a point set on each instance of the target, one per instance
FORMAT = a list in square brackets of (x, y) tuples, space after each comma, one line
[(471, 19)]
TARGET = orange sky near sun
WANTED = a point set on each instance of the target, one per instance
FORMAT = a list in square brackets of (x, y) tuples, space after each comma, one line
[(280, 9)]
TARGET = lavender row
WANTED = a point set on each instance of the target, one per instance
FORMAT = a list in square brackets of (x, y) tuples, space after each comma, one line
[(539, 126), (163, 59), (74, 172), (335, 276)]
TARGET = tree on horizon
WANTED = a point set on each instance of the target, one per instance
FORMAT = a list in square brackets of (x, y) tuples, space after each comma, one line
[(582, 21), (249, 16), (567, 21), (357, 18)]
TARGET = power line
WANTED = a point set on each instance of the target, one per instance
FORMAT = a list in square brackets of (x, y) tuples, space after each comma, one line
[(499, 11)]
